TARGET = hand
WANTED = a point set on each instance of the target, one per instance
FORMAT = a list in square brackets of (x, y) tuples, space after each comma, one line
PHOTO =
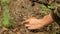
[(33, 23)]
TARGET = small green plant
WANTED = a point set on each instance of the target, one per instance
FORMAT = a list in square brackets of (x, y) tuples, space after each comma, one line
[(5, 1), (43, 6), (6, 14), (45, 10), (55, 31), (50, 7)]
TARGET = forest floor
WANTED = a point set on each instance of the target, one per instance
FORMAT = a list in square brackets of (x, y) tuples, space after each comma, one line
[(24, 9)]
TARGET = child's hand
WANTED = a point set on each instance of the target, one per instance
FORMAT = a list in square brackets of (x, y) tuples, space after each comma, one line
[(34, 23)]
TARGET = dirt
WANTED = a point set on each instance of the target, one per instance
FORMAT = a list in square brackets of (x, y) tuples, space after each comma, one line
[(24, 9)]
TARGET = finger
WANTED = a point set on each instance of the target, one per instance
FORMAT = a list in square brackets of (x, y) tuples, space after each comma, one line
[(27, 25), (25, 22), (30, 28)]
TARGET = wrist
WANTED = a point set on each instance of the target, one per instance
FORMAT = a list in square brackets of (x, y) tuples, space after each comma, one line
[(48, 19)]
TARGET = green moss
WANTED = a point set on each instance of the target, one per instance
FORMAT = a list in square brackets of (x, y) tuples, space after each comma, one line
[(6, 14), (5, 1)]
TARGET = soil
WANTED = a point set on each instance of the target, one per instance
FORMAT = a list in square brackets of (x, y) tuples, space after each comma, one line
[(24, 9)]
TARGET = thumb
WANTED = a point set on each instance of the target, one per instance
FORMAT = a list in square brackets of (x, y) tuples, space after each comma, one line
[(25, 22)]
